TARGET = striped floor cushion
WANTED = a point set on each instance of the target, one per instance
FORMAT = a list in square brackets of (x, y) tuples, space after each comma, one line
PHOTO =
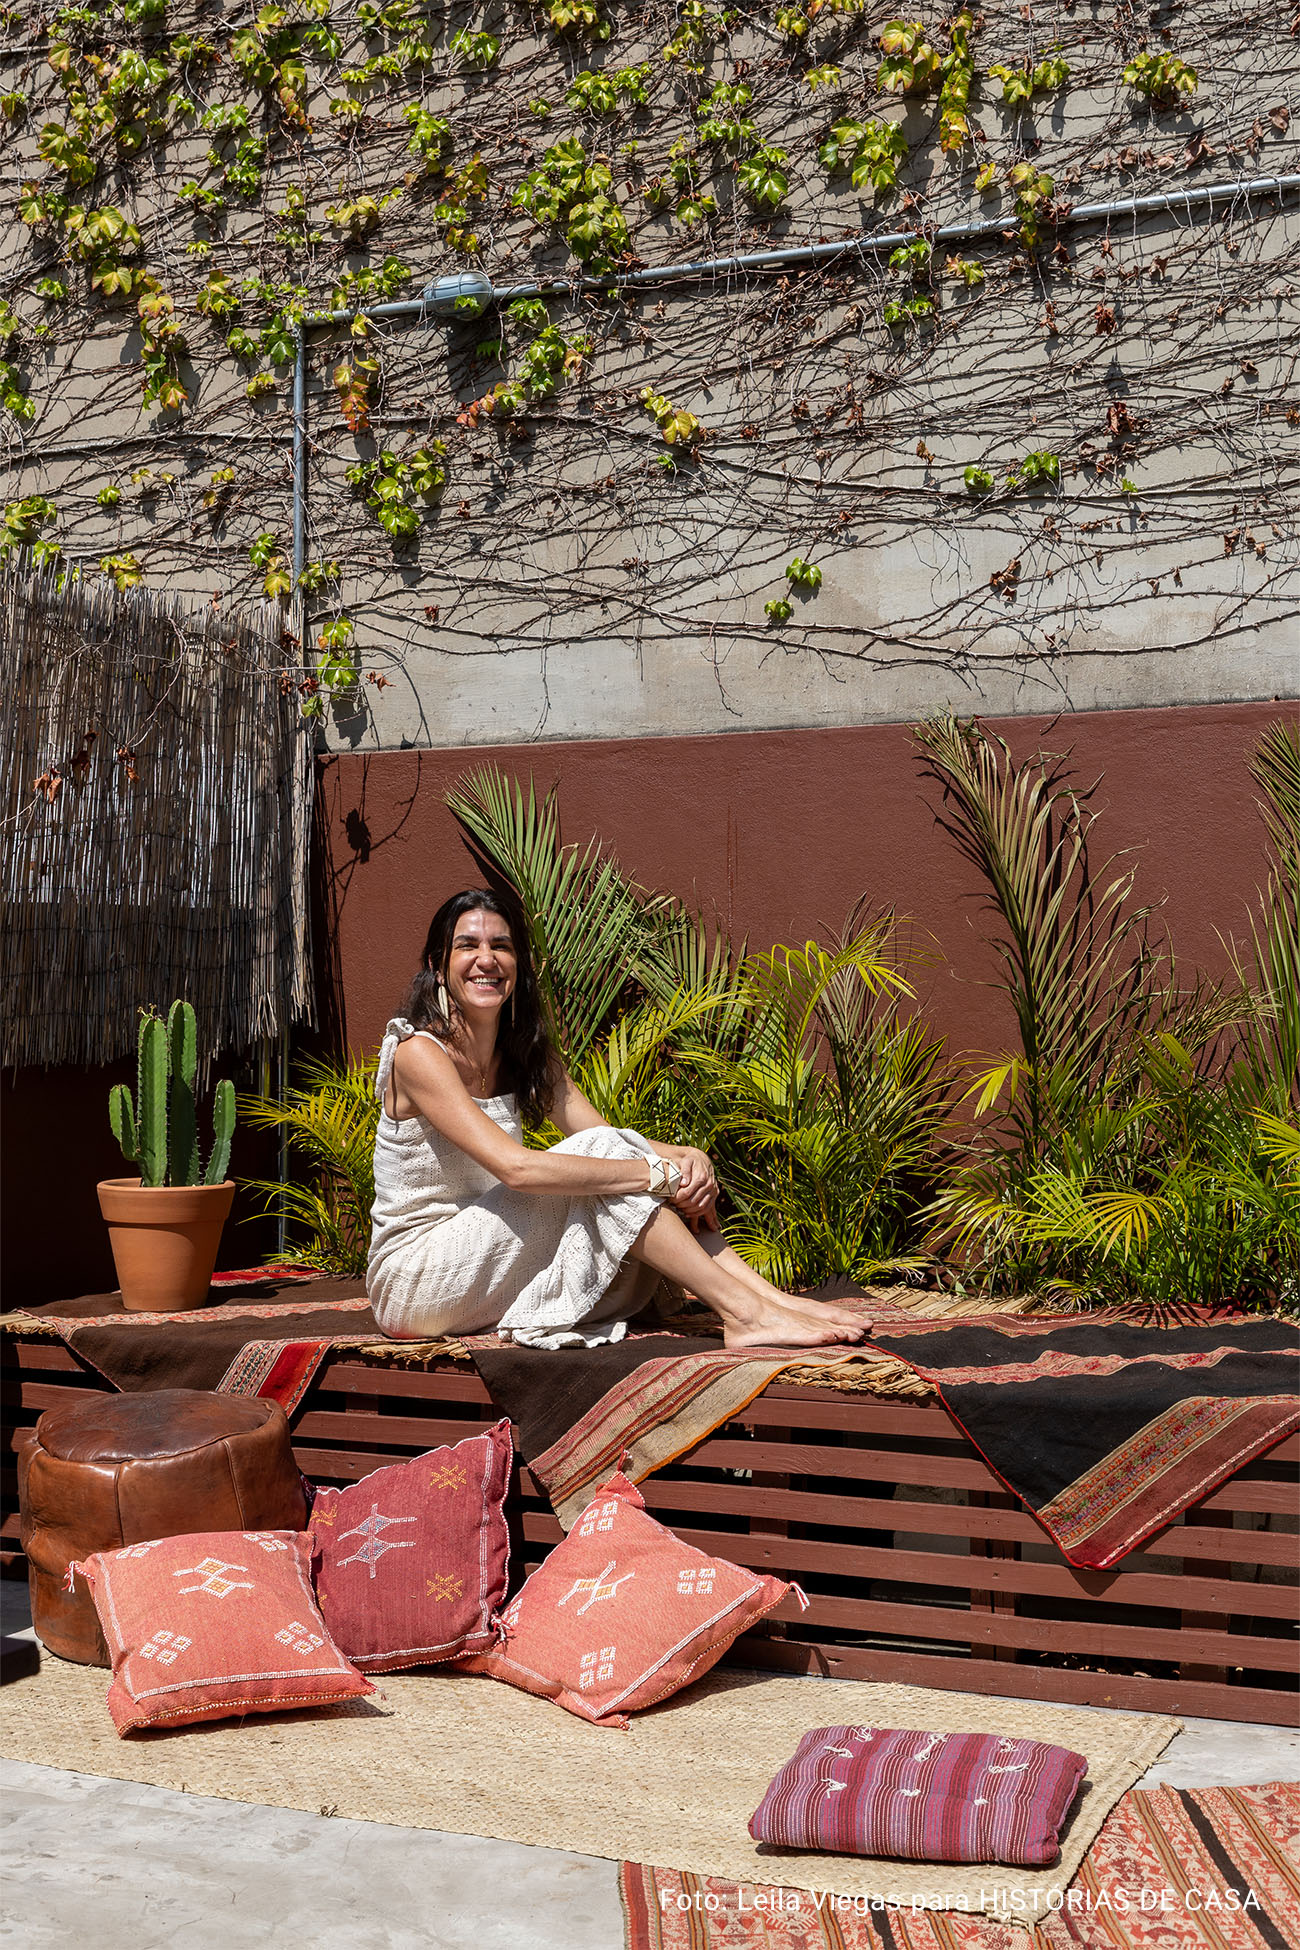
[(922, 1797)]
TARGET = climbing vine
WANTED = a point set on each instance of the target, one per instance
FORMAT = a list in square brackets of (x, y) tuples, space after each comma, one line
[(1067, 421)]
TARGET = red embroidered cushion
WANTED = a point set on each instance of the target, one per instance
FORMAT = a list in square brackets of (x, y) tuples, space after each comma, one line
[(922, 1797), (622, 1613), (411, 1563), (218, 1623)]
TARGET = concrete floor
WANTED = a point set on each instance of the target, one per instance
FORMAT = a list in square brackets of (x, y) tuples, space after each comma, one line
[(143, 1868)]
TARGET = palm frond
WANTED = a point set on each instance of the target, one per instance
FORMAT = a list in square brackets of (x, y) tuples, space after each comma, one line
[(1077, 966), (1275, 768), (586, 921), (802, 982), (625, 1075), (1271, 1039), (1279, 1140)]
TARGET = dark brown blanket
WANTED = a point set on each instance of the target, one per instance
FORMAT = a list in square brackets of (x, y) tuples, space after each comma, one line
[(547, 1394), (1107, 1427), (198, 1349)]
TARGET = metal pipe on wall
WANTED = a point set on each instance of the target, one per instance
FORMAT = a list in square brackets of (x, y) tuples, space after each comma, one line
[(867, 240), (299, 458), (723, 267), (300, 629)]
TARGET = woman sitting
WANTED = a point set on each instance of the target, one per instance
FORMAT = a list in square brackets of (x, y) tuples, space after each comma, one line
[(553, 1248)]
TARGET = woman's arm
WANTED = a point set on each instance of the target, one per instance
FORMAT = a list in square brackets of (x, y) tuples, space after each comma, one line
[(697, 1194), (429, 1080)]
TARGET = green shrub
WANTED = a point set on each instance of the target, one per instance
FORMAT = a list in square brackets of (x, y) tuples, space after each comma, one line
[(800, 1070), (1141, 1143), (329, 1118), (821, 1114)]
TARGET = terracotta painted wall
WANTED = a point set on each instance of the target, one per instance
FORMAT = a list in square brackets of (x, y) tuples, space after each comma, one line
[(781, 831)]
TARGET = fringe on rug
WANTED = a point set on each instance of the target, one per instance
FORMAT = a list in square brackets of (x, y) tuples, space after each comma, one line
[(874, 1373), (864, 1374), (412, 1354)]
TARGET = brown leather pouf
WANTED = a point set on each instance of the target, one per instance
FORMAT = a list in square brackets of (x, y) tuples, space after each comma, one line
[(110, 1470)]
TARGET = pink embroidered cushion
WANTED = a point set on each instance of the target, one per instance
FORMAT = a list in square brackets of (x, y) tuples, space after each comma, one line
[(411, 1562), (922, 1797), (622, 1613), (212, 1625)]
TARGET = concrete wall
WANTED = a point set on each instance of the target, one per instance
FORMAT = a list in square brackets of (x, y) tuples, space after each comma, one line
[(780, 833), (568, 585)]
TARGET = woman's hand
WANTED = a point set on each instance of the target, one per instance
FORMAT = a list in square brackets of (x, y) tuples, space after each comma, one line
[(697, 1195)]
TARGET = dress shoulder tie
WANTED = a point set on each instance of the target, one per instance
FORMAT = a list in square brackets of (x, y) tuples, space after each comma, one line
[(397, 1030)]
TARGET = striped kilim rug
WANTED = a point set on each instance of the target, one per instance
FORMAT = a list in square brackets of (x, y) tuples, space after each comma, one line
[(639, 1403), (1173, 1869), (1190, 1869)]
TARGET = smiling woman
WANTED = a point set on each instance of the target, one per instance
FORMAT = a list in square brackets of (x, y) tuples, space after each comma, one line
[(555, 1248)]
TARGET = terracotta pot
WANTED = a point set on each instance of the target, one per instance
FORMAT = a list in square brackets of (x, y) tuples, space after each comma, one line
[(164, 1240)]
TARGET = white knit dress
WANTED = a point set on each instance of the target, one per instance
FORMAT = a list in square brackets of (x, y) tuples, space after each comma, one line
[(454, 1251)]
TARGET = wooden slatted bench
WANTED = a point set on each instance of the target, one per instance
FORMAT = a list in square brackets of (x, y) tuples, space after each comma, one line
[(918, 1565)]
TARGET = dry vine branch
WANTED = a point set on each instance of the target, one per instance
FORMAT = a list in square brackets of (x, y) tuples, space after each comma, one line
[(1160, 354)]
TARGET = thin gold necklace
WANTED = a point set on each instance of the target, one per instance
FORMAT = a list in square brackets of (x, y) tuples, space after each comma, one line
[(481, 1072)]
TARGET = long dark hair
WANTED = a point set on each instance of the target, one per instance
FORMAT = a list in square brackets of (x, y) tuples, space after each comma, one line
[(528, 1061)]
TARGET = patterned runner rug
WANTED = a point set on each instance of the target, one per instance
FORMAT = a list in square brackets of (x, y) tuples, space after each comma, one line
[(260, 1335), (1173, 1869), (654, 1397), (1106, 1429), (265, 1333), (1190, 1869)]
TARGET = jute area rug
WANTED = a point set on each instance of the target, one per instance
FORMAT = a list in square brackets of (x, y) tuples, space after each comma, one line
[(474, 1757)]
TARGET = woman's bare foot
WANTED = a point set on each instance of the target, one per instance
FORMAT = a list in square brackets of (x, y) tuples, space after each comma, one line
[(830, 1310), (822, 1311), (749, 1319), (773, 1324)]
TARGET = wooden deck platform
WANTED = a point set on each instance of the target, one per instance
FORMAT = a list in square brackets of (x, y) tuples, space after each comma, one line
[(918, 1565)]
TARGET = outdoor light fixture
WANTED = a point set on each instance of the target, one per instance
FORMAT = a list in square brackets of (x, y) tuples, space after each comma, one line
[(444, 296)]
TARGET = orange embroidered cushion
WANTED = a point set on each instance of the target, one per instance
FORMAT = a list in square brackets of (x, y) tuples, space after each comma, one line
[(411, 1562), (219, 1623), (622, 1613)]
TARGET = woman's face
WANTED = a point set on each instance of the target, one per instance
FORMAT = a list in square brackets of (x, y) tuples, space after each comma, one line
[(482, 967)]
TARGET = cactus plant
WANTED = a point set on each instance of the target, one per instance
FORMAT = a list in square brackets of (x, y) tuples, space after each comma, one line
[(163, 1138)]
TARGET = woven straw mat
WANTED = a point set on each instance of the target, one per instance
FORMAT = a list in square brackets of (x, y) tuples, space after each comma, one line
[(472, 1756)]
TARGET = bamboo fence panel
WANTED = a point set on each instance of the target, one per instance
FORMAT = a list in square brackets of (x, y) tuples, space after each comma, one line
[(155, 794)]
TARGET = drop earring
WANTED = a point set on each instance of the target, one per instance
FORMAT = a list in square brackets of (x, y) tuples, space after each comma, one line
[(443, 1000)]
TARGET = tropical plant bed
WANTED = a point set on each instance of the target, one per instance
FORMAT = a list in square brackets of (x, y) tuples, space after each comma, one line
[(1136, 1140), (917, 1563)]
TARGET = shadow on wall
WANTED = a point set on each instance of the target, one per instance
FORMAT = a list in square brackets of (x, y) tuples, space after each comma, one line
[(371, 827)]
